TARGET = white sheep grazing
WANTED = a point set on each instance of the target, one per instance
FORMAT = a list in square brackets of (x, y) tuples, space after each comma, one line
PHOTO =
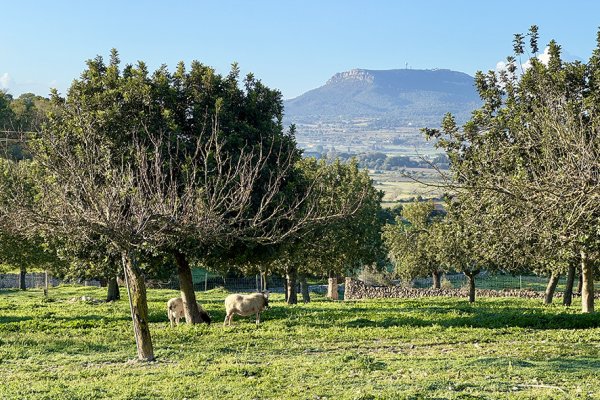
[(175, 311), (244, 305)]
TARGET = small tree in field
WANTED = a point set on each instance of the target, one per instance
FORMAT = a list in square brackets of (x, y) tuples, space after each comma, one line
[(413, 242), (458, 248)]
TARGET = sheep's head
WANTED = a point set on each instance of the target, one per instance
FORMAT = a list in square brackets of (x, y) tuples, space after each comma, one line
[(265, 294), (204, 317)]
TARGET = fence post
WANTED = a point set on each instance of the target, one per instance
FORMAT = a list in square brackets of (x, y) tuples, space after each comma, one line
[(46, 283), (206, 281), (520, 282)]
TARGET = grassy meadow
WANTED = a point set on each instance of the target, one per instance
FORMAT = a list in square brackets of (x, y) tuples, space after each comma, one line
[(398, 187), (436, 348)]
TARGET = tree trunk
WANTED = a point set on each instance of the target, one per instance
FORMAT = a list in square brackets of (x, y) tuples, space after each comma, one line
[(291, 277), (186, 287), (568, 294), (112, 293), (471, 281), (263, 281), (136, 289), (285, 289), (46, 283), (332, 286), (552, 282), (580, 283), (304, 289), (437, 277), (22, 275), (587, 287)]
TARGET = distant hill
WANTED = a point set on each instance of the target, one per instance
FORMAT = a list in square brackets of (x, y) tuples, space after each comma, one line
[(384, 99)]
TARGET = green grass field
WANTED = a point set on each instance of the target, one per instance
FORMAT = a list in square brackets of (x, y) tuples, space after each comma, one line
[(437, 348), (397, 187)]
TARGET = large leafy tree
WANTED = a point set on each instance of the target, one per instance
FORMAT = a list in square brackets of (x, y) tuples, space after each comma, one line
[(413, 242), (529, 158)]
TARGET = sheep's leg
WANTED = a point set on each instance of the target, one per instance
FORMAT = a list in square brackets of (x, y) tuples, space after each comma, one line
[(257, 318), (228, 318)]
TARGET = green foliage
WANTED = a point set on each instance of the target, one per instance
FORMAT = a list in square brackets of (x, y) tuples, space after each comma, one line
[(19, 119), (347, 242), (384, 349), (187, 161), (525, 165), (26, 253), (18, 248), (414, 241)]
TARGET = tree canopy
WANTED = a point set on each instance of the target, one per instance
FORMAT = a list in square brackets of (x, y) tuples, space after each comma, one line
[(528, 160)]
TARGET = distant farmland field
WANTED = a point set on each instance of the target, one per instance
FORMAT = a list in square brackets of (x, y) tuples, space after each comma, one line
[(399, 187)]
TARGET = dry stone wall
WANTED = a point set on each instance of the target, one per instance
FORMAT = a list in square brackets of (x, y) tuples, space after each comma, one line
[(356, 290)]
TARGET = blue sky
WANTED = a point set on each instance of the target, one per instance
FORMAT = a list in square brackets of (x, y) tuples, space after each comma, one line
[(293, 46)]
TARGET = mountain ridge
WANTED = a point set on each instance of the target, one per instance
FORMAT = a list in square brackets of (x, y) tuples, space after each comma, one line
[(397, 97)]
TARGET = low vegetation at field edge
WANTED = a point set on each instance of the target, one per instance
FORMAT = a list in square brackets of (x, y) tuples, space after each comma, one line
[(438, 348)]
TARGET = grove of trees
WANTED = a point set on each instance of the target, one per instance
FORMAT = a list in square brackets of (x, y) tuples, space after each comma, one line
[(183, 167), (525, 168), (146, 174)]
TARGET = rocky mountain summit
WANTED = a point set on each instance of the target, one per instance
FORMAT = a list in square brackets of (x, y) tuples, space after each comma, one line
[(387, 98)]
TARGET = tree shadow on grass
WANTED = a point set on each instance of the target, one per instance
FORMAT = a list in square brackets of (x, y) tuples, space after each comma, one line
[(575, 364), (386, 322), (490, 320), (465, 316), (93, 318), (10, 291), (4, 319), (534, 319), (72, 347)]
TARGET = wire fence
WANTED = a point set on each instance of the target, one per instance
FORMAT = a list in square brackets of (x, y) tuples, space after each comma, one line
[(487, 280), (204, 281), (38, 280), (276, 284)]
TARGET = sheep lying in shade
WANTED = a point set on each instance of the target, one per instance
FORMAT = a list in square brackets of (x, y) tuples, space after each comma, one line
[(244, 305), (175, 311)]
